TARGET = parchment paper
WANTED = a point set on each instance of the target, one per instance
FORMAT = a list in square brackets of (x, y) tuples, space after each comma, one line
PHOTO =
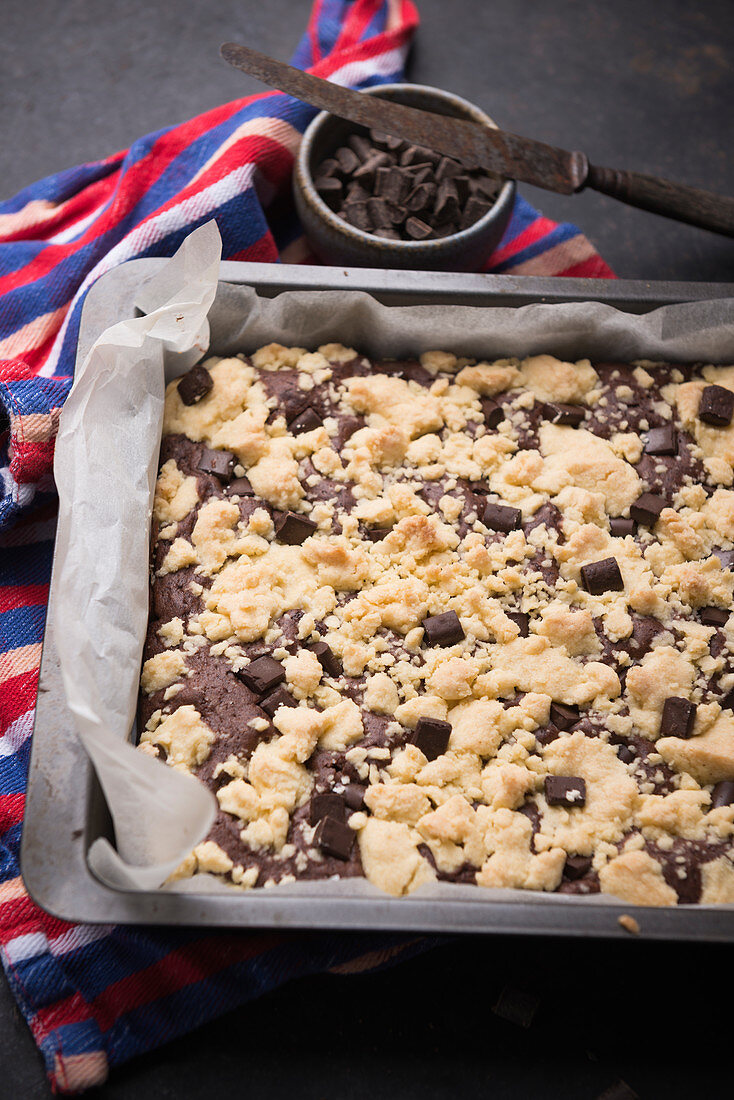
[(106, 460)]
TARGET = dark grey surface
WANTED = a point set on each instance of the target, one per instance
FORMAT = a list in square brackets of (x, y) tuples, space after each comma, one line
[(636, 84)]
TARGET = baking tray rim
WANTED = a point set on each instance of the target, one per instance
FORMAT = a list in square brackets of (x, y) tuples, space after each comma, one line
[(55, 829)]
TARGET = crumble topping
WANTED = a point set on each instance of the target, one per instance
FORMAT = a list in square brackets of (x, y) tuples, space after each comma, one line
[(450, 619)]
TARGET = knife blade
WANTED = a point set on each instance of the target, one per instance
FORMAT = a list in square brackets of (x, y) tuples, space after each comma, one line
[(500, 152)]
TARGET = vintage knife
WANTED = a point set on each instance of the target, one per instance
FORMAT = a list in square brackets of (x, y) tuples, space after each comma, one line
[(500, 152)]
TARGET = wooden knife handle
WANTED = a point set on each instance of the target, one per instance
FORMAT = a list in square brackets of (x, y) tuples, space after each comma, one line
[(673, 200)]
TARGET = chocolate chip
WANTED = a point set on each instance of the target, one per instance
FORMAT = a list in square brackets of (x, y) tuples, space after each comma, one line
[(626, 754), (391, 183), (386, 141), (240, 487), (546, 735), (446, 208), (717, 406), (564, 716), (195, 384), (356, 214), (576, 867), (327, 804), (262, 675), (361, 146), (662, 441), (726, 702), (571, 415), (219, 463), (334, 838), (377, 534), (444, 629), (475, 209), (500, 518), (327, 658), (354, 796), (330, 189), (677, 718), (522, 620), (307, 421), (293, 528), (644, 631), (281, 697), (379, 212), (647, 508), (417, 229), (602, 576), (347, 159), (431, 736), (714, 616), (619, 527), (421, 197), (447, 168), (722, 794), (493, 412), (565, 790)]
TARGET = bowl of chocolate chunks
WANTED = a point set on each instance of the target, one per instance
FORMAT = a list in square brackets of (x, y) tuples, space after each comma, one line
[(366, 199)]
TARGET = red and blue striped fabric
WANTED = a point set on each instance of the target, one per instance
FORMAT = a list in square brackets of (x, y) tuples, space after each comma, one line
[(95, 996)]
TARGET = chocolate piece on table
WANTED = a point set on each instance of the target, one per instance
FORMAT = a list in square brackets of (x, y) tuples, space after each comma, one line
[(334, 838), (571, 415), (195, 384), (293, 528), (647, 508), (602, 576), (564, 716), (240, 486), (661, 441), (417, 229), (565, 790), (262, 675), (327, 658), (219, 463), (498, 517), (330, 189), (281, 697), (327, 804), (717, 406), (444, 629), (306, 421), (576, 867), (522, 619), (431, 736), (492, 411), (354, 796), (677, 718), (714, 616), (619, 527), (722, 794)]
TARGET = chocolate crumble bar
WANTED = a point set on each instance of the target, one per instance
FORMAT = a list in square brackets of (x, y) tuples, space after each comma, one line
[(446, 619)]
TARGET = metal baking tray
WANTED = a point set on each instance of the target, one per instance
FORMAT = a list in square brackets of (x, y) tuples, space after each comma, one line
[(65, 809)]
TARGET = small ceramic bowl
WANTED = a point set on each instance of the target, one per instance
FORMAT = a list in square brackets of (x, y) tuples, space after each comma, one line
[(337, 242)]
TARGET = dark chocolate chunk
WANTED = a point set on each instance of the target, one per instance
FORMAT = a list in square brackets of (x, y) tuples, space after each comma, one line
[(576, 867), (571, 415), (240, 487), (547, 734), (662, 441), (627, 754), (602, 576), (517, 1006), (281, 697), (327, 804), (354, 796), (619, 527), (356, 214), (444, 629), (726, 702), (329, 167), (379, 212), (347, 159), (498, 517), (306, 421), (722, 794), (327, 658), (493, 412), (714, 616), (334, 838), (377, 534), (431, 736), (475, 209), (421, 197), (678, 717), (447, 168), (446, 208), (330, 189), (366, 173), (647, 508), (388, 234), (357, 193), (386, 141), (417, 229), (418, 154), (522, 619), (717, 406), (219, 463), (391, 183), (293, 528), (361, 146), (195, 384), (262, 675), (644, 631), (564, 716), (565, 790), (726, 558)]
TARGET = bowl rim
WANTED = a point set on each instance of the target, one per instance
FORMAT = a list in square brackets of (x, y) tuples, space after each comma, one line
[(304, 179)]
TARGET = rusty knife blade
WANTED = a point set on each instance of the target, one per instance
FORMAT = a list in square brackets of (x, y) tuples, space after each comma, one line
[(500, 152)]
